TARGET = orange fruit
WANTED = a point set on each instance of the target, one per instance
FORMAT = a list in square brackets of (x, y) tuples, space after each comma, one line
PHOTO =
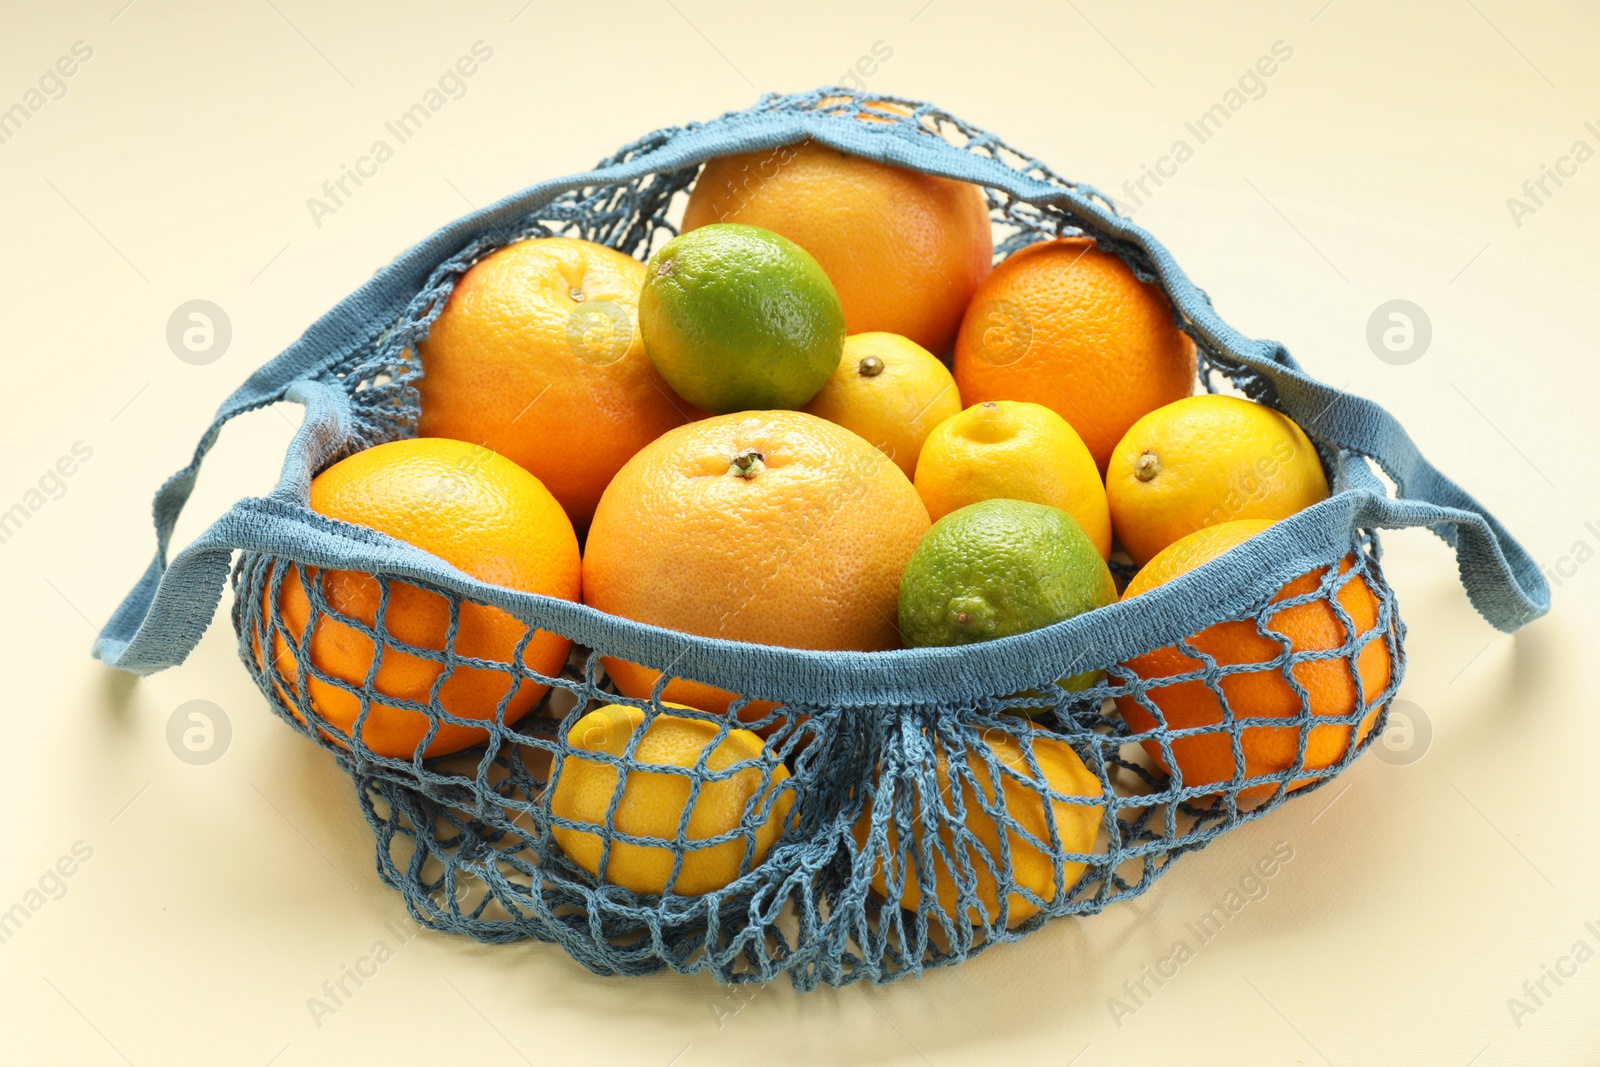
[(905, 250), (1203, 460), (475, 510), (1207, 758), (537, 355), (1023, 796), (745, 794), (1066, 325), (891, 391), (774, 527), (1013, 450)]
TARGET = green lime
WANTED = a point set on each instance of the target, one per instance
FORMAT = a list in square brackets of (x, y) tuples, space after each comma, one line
[(737, 318), (997, 568)]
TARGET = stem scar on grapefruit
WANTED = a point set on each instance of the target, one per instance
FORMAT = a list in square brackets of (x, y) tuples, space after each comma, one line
[(772, 527), (473, 509), (1331, 683)]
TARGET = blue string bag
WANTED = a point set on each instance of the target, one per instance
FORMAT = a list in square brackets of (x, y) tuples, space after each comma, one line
[(914, 737)]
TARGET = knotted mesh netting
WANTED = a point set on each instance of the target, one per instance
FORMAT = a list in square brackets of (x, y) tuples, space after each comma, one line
[(873, 798), (874, 831)]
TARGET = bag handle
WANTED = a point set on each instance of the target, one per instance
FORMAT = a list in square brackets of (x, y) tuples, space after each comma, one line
[(1501, 579), (164, 616)]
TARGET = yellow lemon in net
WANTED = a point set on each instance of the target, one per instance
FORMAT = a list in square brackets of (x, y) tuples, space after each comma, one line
[(1206, 460), (653, 803), (1025, 799), (891, 391), (1014, 450)]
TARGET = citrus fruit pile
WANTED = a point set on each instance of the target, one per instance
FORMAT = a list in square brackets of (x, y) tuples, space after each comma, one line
[(820, 417)]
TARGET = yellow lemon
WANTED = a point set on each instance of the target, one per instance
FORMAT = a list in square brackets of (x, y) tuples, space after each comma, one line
[(891, 391), (1206, 460), (1015, 450), (653, 803), (1032, 868)]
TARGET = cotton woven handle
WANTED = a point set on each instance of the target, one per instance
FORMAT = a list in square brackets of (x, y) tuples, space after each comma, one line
[(1501, 579), (165, 614), (163, 617)]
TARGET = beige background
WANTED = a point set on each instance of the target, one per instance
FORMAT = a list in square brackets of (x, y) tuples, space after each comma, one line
[(1377, 165)]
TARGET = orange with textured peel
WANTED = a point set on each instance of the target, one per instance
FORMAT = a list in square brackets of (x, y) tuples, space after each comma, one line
[(537, 355), (1207, 758), (475, 510), (773, 527), (1066, 325)]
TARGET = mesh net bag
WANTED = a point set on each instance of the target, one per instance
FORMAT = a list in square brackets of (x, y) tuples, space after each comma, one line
[(901, 810)]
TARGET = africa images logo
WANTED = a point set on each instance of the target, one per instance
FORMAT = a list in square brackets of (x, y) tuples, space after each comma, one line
[(1251, 888), (451, 85), (52, 85), (1251, 85)]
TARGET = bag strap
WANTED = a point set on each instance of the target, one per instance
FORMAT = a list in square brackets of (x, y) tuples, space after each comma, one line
[(1501, 579), (164, 616)]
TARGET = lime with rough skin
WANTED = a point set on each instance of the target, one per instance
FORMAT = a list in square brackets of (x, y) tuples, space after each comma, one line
[(737, 318), (997, 568)]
